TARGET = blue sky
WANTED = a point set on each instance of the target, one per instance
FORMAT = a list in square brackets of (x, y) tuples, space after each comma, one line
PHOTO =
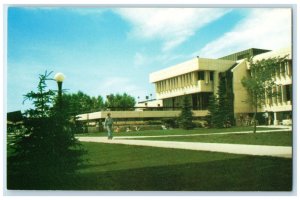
[(113, 50)]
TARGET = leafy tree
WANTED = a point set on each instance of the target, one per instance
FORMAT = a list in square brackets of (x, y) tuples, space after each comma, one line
[(80, 102), (47, 148), (120, 102), (186, 116), (260, 82)]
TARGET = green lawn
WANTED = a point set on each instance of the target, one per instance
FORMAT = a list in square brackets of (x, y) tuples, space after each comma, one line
[(123, 167), (177, 131), (272, 138)]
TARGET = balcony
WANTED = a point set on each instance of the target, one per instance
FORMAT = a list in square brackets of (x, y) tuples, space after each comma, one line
[(205, 86)]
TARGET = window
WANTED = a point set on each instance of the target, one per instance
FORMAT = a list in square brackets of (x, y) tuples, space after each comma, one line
[(288, 92), (201, 75), (211, 76), (282, 65)]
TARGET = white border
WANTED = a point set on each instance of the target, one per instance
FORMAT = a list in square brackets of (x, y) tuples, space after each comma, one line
[(160, 3)]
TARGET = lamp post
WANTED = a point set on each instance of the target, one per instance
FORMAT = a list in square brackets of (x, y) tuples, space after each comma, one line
[(59, 78)]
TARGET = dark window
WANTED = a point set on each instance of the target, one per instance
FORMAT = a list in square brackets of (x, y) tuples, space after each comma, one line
[(201, 75), (211, 76), (288, 92)]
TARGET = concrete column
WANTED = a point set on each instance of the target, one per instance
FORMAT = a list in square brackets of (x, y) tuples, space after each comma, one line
[(216, 82), (284, 94), (290, 68), (195, 78), (206, 76), (278, 90), (179, 81), (275, 119)]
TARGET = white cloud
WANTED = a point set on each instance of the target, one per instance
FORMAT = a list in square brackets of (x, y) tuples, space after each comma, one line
[(139, 60), (142, 60), (171, 25), (263, 28)]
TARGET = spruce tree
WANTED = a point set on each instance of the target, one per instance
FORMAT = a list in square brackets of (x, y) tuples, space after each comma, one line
[(220, 107), (213, 109), (46, 149), (186, 115)]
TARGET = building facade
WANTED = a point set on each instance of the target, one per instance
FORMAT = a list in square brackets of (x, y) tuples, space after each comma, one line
[(199, 78), (277, 107)]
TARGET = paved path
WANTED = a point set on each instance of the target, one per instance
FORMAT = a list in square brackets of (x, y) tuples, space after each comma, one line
[(202, 134), (259, 150)]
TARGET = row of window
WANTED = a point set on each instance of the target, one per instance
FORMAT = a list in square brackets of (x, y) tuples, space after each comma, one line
[(283, 94), (183, 80), (283, 69)]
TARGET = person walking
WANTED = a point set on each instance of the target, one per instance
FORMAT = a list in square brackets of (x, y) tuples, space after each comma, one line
[(108, 123)]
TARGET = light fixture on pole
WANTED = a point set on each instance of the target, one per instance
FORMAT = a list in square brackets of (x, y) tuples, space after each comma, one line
[(59, 78)]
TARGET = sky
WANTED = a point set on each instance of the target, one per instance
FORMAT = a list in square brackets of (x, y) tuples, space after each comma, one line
[(106, 51)]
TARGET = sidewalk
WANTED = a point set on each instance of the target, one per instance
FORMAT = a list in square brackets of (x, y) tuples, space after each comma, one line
[(258, 150), (201, 134)]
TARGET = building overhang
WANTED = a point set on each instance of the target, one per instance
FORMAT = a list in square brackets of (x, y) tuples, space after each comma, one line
[(192, 65)]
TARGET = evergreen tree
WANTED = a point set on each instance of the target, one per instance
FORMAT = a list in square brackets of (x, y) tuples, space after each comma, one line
[(186, 115), (212, 117), (47, 148), (220, 107)]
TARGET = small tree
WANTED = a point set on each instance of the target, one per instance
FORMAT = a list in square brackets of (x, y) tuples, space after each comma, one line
[(260, 82), (213, 108), (186, 115)]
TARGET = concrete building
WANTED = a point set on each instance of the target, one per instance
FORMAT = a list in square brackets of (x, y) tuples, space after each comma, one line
[(279, 107), (198, 78)]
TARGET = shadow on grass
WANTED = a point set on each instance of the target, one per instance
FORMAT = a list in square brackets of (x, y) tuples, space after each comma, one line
[(246, 173)]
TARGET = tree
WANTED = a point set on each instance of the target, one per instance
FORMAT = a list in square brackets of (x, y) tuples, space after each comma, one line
[(220, 107), (260, 82), (120, 102), (47, 148), (78, 103), (213, 108), (186, 116)]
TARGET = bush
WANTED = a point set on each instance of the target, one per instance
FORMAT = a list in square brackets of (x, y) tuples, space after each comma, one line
[(170, 122)]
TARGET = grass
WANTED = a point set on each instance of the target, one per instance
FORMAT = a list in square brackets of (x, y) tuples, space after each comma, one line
[(133, 168), (272, 138), (176, 131)]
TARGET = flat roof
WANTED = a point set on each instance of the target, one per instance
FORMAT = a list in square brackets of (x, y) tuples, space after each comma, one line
[(195, 64)]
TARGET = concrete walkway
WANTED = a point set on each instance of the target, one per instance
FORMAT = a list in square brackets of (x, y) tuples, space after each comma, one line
[(202, 134), (258, 150)]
